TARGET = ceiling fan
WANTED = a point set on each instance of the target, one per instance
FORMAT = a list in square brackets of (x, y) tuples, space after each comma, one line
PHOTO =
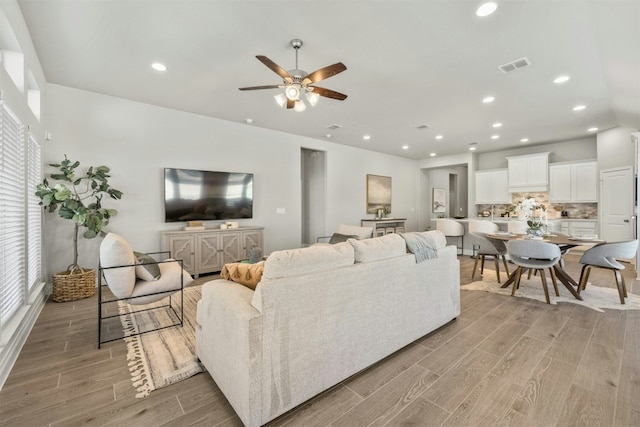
[(299, 86)]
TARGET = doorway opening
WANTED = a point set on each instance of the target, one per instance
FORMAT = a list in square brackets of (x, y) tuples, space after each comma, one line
[(313, 175)]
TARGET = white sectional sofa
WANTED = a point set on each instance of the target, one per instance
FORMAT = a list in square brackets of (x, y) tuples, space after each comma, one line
[(319, 315)]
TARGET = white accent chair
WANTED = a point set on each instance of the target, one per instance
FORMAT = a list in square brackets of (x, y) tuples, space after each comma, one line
[(517, 226), (129, 280), (606, 256), (451, 228), (350, 231), (534, 255), (480, 230)]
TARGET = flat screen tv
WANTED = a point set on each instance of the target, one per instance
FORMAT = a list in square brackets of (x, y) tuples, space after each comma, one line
[(207, 195)]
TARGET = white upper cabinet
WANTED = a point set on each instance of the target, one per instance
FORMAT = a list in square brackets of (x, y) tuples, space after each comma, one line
[(529, 172), (491, 187), (573, 182)]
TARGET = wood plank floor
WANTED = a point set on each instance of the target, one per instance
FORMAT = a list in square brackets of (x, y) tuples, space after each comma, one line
[(504, 361)]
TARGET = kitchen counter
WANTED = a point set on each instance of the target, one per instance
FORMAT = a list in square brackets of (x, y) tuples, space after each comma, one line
[(564, 224)]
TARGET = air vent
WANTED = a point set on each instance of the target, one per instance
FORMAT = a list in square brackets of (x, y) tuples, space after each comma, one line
[(515, 65), (333, 127), (423, 126)]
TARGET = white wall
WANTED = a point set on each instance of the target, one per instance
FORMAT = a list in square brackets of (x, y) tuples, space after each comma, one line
[(576, 149), (138, 140), (615, 148)]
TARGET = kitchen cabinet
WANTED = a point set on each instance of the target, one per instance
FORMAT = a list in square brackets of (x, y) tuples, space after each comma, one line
[(529, 172), (492, 187), (580, 228), (573, 182), (208, 250)]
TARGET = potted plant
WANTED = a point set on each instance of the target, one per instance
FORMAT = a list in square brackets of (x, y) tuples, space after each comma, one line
[(79, 199)]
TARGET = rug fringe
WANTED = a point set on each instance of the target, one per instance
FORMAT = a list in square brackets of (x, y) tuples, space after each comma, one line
[(138, 368)]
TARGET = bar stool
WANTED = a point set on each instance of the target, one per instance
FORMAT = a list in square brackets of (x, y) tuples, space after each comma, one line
[(451, 228)]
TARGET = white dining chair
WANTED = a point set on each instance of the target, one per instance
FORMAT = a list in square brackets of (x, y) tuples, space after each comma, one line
[(487, 246), (534, 255), (517, 226), (451, 228)]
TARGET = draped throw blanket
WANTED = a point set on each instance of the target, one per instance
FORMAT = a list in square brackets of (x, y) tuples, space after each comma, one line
[(421, 245)]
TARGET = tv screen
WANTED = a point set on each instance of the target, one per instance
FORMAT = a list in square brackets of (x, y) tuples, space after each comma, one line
[(207, 195)]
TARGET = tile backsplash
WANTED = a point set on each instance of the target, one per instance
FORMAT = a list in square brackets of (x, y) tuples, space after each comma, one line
[(574, 210)]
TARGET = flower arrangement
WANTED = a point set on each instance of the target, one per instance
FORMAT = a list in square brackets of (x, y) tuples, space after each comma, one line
[(534, 212)]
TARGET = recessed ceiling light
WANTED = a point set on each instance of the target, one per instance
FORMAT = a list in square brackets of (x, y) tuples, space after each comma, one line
[(495, 136), (497, 125), (366, 137), (486, 9), (328, 135), (592, 129), (248, 121), (488, 99), (561, 79), (579, 107), (432, 154), (524, 140), (158, 66), (439, 136), (472, 148), (405, 147)]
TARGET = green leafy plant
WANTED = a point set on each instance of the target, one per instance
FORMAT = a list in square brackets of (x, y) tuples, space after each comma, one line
[(79, 198)]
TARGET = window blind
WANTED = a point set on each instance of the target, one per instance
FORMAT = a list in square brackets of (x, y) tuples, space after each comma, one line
[(12, 214), (34, 214)]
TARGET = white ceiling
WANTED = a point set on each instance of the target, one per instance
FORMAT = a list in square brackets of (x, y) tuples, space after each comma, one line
[(409, 63)]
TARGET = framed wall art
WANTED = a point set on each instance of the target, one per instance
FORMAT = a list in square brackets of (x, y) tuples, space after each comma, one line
[(378, 193), (439, 200)]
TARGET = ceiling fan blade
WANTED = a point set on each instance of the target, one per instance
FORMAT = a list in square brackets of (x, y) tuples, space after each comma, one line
[(329, 93), (324, 73), (260, 87), (290, 103), (275, 68)]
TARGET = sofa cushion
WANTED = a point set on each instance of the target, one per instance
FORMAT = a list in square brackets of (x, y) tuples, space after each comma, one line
[(115, 251), (241, 272), (313, 259), (387, 246), (147, 272)]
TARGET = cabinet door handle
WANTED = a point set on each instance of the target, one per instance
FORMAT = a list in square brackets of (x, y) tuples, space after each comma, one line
[(626, 220)]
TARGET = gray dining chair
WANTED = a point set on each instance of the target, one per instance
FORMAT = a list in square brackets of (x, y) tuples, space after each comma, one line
[(534, 255), (487, 246), (606, 256)]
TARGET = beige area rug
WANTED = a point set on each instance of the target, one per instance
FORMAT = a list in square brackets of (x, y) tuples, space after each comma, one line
[(594, 297), (160, 358)]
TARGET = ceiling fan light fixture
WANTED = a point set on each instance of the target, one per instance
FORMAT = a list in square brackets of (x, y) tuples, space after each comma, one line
[(299, 107), (281, 100), (292, 92), (312, 98)]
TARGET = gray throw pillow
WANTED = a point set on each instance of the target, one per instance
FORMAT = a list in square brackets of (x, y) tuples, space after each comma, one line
[(147, 272), (339, 238)]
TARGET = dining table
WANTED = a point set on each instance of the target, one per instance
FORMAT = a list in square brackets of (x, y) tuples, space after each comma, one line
[(562, 241)]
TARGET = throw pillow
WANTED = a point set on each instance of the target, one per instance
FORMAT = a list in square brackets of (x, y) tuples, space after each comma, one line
[(147, 272), (339, 238), (248, 275), (116, 251)]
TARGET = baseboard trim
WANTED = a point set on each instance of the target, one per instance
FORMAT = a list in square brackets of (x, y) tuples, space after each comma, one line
[(11, 350)]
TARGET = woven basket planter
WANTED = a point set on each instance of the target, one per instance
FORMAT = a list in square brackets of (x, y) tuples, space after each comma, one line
[(74, 286)]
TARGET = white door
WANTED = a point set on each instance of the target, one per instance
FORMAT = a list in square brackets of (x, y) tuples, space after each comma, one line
[(616, 201)]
